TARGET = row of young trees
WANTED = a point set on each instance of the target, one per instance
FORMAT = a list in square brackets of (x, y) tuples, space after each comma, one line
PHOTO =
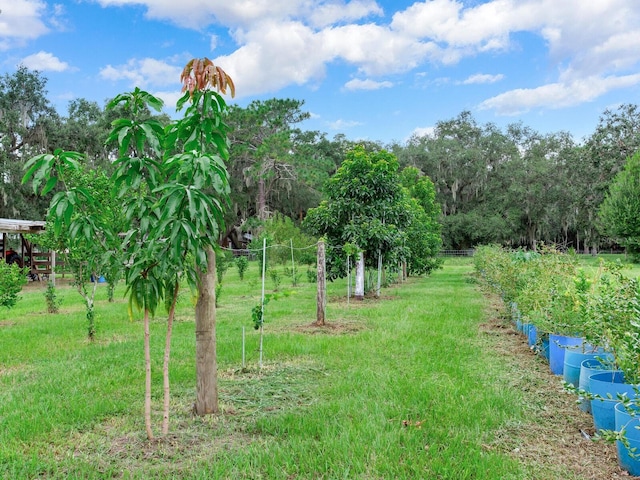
[(513, 186), (158, 220), (372, 208)]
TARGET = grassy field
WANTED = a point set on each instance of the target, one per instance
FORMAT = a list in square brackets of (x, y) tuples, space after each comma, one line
[(406, 386)]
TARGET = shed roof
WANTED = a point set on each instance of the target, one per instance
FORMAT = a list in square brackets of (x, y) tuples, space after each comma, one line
[(9, 225)]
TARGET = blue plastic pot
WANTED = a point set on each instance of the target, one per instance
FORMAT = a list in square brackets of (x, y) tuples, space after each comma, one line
[(543, 348), (630, 423), (533, 335), (515, 313), (573, 361), (607, 386), (557, 346), (587, 368)]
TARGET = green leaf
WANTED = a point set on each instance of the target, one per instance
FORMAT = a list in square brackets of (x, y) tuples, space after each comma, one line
[(182, 100), (35, 163), (51, 183)]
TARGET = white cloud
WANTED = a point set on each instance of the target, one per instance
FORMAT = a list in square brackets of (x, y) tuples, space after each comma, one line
[(335, 12), (423, 132), (557, 95), (197, 14), (291, 42), (368, 84), (343, 124), (376, 49), (273, 56), (44, 61), (21, 20), (480, 78), (575, 31), (143, 73)]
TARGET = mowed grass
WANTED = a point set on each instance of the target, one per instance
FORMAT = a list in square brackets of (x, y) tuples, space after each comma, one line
[(404, 386)]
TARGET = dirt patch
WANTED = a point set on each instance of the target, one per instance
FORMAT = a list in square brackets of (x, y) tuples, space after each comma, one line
[(368, 300), (557, 436), (333, 327)]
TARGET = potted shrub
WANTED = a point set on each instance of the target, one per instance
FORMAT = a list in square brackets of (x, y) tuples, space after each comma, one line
[(548, 302), (614, 312)]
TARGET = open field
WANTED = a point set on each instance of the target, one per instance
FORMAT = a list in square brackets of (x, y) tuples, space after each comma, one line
[(426, 382)]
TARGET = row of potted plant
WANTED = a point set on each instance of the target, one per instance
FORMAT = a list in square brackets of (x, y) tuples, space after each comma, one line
[(593, 311)]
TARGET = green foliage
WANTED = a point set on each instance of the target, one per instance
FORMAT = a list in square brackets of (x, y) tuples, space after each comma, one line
[(546, 286), (166, 194), (620, 211), (242, 263), (614, 313), (51, 296), (282, 234), (312, 276), (362, 208), (367, 207), (222, 265), (12, 279), (294, 274), (552, 292), (28, 124), (276, 278), (257, 315), (257, 312), (275, 167), (218, 293), (43, 359)]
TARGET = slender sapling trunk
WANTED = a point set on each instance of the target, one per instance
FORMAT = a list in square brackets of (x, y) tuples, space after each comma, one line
[(147, 376), (165, 366)]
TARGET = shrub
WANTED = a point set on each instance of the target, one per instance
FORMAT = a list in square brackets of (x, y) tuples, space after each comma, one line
[(222, 264), (275, 278), (12, 279), (242, 263), (53, 302)]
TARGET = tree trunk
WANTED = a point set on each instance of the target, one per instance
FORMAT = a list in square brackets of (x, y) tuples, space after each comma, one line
[(165, 366), (322, 285), (206, 362), (379, 282), (359, 292), (147, 376)]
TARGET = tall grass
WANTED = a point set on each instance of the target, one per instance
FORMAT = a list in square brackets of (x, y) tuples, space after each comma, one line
[(400, 387)]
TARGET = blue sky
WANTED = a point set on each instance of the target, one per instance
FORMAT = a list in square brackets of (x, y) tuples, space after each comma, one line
[(378, 70)]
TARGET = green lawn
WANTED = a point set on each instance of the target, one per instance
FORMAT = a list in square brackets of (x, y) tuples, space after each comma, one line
[(406, 386)]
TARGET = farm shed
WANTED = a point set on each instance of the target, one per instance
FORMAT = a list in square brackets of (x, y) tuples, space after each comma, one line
[(27, 254)]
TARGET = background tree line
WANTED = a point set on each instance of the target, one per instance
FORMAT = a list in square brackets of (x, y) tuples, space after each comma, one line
[(513, 186)]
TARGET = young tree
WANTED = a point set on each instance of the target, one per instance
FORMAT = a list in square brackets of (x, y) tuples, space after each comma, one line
[(173, 221), (366, 206), (12, 279), (616, 138), (424, 228), (620, 211), (87, 257)]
